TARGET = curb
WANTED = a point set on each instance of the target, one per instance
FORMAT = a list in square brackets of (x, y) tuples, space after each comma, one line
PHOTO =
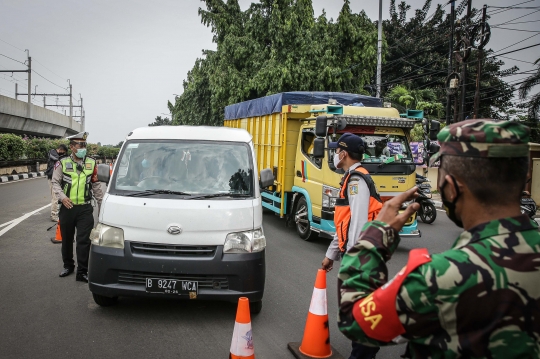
[(10, 178)]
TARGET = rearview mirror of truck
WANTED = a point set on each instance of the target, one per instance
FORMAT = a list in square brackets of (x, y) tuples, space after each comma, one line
[(318, 148), (433, 148), (267, 178), (103, 173), (320, 126), (434, 130)]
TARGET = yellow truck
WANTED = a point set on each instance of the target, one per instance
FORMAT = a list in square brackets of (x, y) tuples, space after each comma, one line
[(283, 127)]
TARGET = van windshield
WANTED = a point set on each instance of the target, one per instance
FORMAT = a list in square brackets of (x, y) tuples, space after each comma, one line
[(189, 168)]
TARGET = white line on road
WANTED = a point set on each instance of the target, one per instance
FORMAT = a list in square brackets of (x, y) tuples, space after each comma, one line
[(21, 180), (16, 221)]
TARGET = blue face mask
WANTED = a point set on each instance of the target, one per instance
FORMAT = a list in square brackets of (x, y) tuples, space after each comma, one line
[(81, 152), (145, 163)]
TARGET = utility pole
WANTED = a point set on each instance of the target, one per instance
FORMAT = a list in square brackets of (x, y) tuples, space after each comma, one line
[(379, 51), (16, 90), (70, 102), (450, 56), (29, 112), (82, 113), (479, 68), (464, 34)]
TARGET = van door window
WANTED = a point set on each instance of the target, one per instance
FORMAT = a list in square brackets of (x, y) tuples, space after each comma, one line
[(308, 139)]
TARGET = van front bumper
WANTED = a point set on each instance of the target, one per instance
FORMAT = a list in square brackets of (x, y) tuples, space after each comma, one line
[(223, 276)]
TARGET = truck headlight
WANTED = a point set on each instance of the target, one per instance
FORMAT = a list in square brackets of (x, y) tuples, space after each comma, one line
[(245, 242), (329, 196), (107, 236)]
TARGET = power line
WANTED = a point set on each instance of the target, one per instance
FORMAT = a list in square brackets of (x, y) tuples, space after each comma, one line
[(47, 79), (50, 70), (509, 52), (514, 44), (13, 59), (504, 23), (507, 28), (11, 45), (506, 57), (515, 23), (509, 7), (514, 7)]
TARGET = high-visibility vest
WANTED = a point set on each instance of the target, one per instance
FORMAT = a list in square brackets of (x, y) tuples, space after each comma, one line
[(342, 211), (77, 185)]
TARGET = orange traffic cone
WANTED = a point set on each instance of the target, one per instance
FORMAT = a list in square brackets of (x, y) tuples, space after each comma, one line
[(110, 169), (58, 236), (242, 340), (316, 341)]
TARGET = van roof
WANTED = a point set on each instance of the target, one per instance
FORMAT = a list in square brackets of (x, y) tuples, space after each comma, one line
[(209, 133)]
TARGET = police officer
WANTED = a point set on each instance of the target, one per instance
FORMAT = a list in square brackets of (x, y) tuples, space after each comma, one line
[(358, 202), (479, 299), (74, 182)]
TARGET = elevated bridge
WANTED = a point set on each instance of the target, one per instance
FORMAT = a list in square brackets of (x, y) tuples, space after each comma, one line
[(22, 118)]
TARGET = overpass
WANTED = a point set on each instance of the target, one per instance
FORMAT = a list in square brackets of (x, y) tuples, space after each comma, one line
[(22, 118)]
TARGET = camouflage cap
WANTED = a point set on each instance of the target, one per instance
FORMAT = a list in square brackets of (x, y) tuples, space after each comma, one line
[(483, 138)]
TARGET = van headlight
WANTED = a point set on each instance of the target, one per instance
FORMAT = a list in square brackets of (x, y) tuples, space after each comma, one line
[(245, 242), (107, 236)]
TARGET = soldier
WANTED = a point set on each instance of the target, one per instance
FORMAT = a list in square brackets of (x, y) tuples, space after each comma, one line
[(479, 299), (74, 181)]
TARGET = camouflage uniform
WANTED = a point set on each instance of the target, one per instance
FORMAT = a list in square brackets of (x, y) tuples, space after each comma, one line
[(480, 299)]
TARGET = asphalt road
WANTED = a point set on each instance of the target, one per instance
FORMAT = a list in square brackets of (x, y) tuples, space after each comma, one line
[(44, 316)]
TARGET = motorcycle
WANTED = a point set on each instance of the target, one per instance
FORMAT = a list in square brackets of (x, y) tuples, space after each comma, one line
[(427, 211), (528, 205)]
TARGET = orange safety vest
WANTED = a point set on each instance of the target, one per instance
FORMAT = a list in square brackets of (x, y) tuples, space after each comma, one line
[(342, 212)]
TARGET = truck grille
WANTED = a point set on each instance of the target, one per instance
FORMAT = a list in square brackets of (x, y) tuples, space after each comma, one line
[(205, 281), (172, 250)]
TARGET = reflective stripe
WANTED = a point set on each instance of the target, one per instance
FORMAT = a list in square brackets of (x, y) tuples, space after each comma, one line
[(318, 302), (242, 341), (66, 179)]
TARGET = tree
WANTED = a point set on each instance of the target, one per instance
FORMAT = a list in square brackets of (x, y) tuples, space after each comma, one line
[(417, 57), (533, 105), (274, 46), (160, 122)]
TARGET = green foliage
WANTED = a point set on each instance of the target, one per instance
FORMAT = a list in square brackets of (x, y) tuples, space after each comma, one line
[(37, 147), (108, 152), (12, 147), (533, 105), (160, 122), (417, 58), (274, 46)]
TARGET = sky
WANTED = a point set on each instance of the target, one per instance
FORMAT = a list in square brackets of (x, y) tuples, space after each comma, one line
[(127, 58)]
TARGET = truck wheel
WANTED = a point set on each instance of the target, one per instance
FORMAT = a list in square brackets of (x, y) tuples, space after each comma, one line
[(428, 214), (255, 307), (301, 219), (104, 301)]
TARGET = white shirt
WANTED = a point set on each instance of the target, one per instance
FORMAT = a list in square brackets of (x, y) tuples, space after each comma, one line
[(358, 194)]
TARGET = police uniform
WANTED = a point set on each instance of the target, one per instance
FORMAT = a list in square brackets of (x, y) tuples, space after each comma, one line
[(76, 178), (479, 299)]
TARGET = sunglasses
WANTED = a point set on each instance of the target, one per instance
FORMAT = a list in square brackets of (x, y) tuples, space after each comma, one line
[(79, 144)]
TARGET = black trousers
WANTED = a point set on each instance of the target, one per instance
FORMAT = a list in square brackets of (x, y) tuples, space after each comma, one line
[(80, 217)]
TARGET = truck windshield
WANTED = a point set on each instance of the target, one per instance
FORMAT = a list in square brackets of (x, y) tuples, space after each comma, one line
[(381, 147), (184, 168)]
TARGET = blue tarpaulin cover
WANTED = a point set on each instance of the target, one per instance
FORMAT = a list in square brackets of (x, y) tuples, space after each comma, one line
[(272, 104)]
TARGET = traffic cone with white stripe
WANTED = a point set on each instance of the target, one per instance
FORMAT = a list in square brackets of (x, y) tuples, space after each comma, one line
[(110, 168), (58, 236), (316, 341), (242, 340)]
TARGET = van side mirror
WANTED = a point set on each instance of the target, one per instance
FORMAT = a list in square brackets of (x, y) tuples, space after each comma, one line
[(320, 126), (434, 130), (318, 148), (103, 173), (267, 178)]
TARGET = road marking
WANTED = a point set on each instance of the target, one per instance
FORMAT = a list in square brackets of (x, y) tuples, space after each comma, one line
[(16, 221), (5, 224), (441, 210)]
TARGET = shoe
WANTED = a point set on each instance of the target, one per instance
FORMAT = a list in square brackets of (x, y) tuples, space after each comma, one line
[(65, 272), (81, 277)]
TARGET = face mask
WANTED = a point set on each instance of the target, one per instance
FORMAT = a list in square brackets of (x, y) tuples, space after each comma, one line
[(145, 163), (336, 160), (61, 154), (450, 207), (81, 152)]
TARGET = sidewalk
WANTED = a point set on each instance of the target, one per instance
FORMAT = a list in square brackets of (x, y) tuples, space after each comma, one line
[(22, 176)]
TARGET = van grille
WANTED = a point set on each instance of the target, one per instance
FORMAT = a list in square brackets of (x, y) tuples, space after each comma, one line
[(171, 250), (205, 281)]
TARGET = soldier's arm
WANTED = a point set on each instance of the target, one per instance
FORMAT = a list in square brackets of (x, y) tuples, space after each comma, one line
[(363, 271), (56, 181)]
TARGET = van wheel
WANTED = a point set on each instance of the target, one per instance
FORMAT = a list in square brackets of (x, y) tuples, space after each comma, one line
[(301, 219), (255, 307), (104, 301)]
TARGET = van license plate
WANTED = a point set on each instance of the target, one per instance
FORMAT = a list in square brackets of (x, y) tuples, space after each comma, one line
[(171, 286)]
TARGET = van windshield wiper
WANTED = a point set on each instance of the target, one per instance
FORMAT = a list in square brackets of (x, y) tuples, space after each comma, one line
[(214, 195), (150, 192)]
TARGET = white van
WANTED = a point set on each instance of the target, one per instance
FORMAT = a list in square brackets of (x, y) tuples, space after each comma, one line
[(182, 218)]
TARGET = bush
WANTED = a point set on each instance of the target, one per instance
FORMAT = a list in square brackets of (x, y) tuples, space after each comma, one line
[(12, 147), (37, 148)]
